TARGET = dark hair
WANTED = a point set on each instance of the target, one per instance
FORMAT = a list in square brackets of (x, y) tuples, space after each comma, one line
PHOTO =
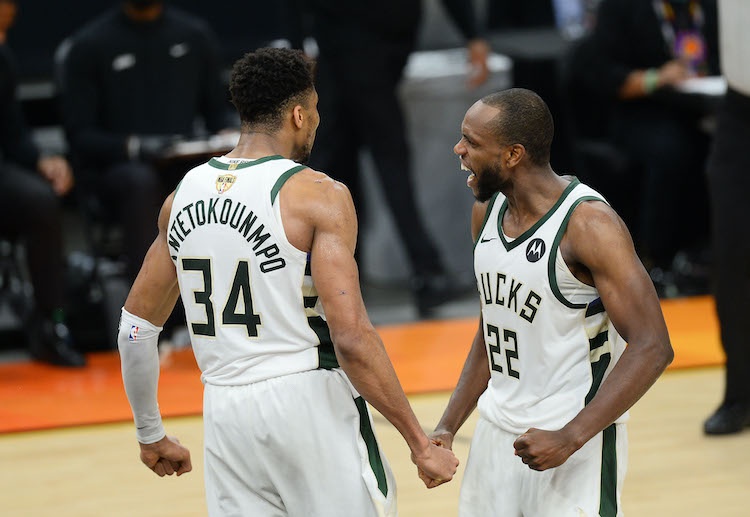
[(266, 82), (525, 119)]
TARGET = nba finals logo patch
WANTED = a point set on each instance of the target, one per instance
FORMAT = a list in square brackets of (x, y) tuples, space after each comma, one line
[(133, 336), (225, 182)]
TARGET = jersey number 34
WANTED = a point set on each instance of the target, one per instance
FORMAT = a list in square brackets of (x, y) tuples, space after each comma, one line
[(230, 315)]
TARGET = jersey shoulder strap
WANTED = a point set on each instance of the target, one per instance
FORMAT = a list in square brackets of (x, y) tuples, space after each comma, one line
[(578, 195)]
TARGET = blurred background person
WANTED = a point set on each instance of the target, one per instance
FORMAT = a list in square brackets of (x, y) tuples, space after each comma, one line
[(363, 48), (645, 50), (132, 81), (729, 182), (31, 186)]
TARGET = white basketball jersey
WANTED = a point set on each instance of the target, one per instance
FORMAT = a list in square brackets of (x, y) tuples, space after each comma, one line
[(549, 340), (250, 304)]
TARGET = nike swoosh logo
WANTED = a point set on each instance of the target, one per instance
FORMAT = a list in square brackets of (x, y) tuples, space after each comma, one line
[(488, 240)]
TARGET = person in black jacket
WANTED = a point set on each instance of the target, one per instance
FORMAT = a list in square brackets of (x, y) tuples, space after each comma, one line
[(132, 80), (728, 179), (30, 188), (363, 47), (646, 49)]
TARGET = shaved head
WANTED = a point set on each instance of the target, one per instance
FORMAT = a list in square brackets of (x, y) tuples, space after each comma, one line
[(522, 118)]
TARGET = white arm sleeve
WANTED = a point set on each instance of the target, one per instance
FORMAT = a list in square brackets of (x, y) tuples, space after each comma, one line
[(139, 356)]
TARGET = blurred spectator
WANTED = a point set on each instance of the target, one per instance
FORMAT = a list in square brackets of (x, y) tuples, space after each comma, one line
[(571, 17), (30, 187), (527, 14), (132, 81), (647, 48), (729, 181), (363, 50)]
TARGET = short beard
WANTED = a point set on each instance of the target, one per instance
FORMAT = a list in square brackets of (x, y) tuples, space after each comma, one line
[(488, 182)]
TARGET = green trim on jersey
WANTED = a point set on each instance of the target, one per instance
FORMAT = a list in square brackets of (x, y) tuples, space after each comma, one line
[(373, 451), (486, 217), (553, 253), (213, 162), (598, 368), (595, 307), (528, 233), (598, 340), (326, 353), (282, 179), (608, 483)]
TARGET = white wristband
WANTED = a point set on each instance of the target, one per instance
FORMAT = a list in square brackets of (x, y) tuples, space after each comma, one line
[(139, 356)]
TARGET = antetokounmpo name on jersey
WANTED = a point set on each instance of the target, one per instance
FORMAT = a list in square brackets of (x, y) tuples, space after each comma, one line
[(231, 213), (499, 289)]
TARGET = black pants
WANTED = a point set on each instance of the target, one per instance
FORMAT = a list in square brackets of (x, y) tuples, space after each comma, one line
[(359, 108), (729, 181), (672, 204), (31, 212)]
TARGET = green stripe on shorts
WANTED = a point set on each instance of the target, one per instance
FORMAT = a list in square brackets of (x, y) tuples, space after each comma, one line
[(372, 445), (608, 498)]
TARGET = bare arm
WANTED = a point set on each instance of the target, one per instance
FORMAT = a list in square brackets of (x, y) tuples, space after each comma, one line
[(633, 306), (358, 347), (155, 290), (476, 372), (598, 240), (472, 383)]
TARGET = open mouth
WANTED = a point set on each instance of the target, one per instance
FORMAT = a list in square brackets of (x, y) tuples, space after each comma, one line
[(471, 176)]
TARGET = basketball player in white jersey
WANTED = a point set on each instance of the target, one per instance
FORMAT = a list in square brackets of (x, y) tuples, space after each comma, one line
[(262, 250), (559, 284)]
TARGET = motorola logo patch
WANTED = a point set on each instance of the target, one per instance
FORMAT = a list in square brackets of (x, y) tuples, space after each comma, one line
[(535, 250)]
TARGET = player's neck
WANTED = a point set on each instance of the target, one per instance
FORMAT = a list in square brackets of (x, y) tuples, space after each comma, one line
[(533, 192), (258, 145)]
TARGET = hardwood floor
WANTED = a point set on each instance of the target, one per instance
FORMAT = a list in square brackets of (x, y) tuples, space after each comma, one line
[(673, 469)]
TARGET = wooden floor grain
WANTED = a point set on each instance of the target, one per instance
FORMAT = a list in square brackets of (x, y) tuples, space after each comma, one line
[(94, 471)]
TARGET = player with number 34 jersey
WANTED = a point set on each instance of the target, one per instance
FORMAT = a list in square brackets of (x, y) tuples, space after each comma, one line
[(251, 307)]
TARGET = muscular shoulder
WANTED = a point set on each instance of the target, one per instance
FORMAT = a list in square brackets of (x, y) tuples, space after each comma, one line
[(318, 197), (595, 232), (165, 213), (594, 217)]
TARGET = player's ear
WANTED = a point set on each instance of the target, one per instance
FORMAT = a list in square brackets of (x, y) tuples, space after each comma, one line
[(298, 116), (514, 154)]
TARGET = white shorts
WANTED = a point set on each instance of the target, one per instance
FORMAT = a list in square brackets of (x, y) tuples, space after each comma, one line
[(300, 445), (588, 484)]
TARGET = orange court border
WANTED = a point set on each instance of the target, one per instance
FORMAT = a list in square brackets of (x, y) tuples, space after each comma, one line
[(427, 355)]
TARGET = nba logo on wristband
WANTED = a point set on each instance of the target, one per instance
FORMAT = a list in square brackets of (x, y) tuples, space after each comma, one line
[(133, 333)]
